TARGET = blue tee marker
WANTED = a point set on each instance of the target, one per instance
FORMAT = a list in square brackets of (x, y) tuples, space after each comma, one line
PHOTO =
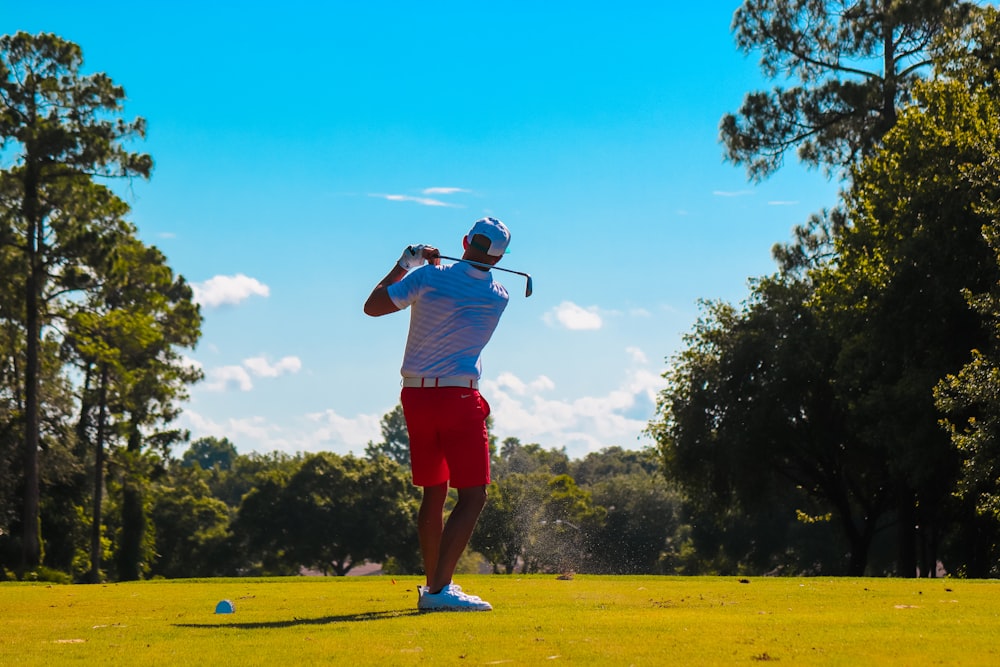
[(225, 607)]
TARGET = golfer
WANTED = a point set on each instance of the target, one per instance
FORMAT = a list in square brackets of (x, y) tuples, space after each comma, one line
[(455, 311)]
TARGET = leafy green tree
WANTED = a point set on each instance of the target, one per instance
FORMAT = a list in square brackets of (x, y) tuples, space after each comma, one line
[(11, 405), (210, 453), (95, 328), (390, 503), (128, 333), (611, 462), (231, 486), (515, 457), (260, 530), (334, 512), (972, 415), (751, 427), (969, 51), (843, 68), (818, 393), (971, 407), (968, 398), (896, 298), (59, 128), (395, 438), (190, 526), (157, 381), (11, 413), (60, 471)]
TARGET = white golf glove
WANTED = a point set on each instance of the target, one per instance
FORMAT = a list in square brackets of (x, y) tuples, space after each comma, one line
[(412, 257)]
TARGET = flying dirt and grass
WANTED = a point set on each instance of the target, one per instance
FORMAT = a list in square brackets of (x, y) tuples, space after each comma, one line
[(606, 620)]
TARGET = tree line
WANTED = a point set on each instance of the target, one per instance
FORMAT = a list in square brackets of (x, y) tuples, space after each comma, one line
[(214, 512), (93, 321), (844, 418)]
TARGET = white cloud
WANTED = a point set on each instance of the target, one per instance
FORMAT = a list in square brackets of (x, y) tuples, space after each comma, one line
[(645, 382), (224, 378), (423, 201), (261, 367), (322, 431), (637, 355), (782, 203), (736, 193), (576, 318), (230, 290), (581, 425), (228, 377), (333, 429), (519, 387), (255, 430), (443, 191), (201, 425)]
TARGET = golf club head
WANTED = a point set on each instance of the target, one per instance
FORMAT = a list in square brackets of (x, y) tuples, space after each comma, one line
[(527, 288)]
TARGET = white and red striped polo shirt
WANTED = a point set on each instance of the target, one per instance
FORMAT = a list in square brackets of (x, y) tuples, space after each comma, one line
[(454, 311)]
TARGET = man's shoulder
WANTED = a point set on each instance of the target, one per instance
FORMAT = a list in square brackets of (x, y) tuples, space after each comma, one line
[(456, 280)]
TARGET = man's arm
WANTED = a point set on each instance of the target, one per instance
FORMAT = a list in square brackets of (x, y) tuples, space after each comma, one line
[(379, 303)]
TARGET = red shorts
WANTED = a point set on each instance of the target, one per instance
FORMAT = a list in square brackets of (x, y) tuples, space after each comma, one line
[(448, 437)]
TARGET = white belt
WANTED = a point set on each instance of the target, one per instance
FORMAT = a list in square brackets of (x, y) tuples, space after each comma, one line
[(440, 382)]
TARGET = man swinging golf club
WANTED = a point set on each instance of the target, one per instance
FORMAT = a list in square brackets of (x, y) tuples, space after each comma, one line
[(455, 310)]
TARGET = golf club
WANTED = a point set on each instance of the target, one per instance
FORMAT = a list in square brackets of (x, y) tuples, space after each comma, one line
[(527, 288)]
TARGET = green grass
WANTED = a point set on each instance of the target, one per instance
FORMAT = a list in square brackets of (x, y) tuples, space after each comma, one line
[(536, 620)]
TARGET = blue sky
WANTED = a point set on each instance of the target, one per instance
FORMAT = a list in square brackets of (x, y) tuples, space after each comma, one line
[(299, 147)]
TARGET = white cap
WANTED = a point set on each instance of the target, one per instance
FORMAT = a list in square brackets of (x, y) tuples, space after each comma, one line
[(495, 231)]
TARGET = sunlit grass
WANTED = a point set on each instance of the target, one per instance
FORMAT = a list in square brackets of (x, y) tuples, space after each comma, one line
[(536, 620)]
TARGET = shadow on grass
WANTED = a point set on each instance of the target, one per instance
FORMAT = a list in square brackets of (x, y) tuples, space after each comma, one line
[(322, 620)]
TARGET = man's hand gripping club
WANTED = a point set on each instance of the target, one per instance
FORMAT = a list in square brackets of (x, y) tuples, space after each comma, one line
[(415, 255), (379, 303)]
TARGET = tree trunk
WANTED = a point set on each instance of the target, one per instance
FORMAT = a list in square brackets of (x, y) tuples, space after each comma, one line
[(133, 514), (95, 528), (31, 550), (927, 544), (978, 535), (861, 542), (907, 536), (859, 533), (133, 527)]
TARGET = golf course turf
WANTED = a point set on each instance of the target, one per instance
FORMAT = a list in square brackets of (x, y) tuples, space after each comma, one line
[(538, 619)]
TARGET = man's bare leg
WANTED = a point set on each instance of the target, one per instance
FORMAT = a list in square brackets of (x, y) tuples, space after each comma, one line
[(430, 525), (455, 535)]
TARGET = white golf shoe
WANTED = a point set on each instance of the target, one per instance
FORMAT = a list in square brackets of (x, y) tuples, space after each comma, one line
[(451, 598)]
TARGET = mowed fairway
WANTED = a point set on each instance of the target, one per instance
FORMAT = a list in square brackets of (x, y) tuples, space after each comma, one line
[(588, 620)]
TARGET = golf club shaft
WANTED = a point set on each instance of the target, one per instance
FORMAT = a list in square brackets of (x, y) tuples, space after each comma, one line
[(483, 265)]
